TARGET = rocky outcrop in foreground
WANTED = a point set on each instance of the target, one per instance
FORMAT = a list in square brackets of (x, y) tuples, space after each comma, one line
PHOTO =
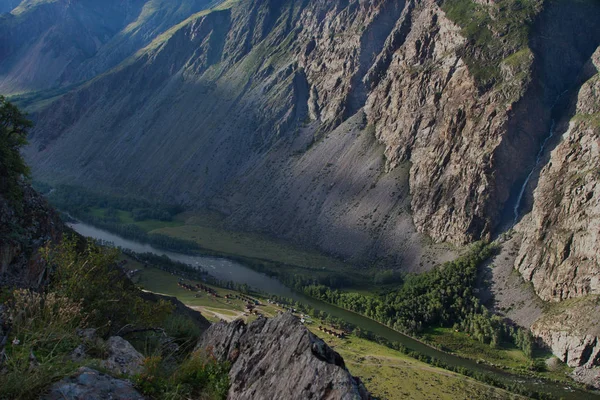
[(279, 358)]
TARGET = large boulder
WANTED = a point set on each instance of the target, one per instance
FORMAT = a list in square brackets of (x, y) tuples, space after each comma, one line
[(123, 358), (279, 358), (90, 384)]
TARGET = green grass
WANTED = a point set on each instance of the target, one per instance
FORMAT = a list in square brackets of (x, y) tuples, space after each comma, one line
[(389, 374), (126, 218), (164, 37), (158, 281), (250, 245), (465, 346), (206, 230), (506, 356), (286, 261), (494, 33)]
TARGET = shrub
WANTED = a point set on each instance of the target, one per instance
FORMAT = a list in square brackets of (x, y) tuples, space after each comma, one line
[(199, 376), (92, 277)]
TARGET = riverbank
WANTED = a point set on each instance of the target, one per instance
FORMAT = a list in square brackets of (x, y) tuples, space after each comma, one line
[(240, 274), (198, 233)]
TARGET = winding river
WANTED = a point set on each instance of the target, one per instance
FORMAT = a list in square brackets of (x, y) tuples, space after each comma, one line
[(225, 269)]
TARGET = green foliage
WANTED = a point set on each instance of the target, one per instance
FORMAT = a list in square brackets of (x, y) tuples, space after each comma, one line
[(493, 32), (198, 375), (439, 297), (13, 136), (443, 297), (78, 200), (88, 289), (482, 376), (92, 277), (387, 277)]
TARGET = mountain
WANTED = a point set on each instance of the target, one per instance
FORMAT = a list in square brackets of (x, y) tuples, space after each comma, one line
[(57, 43), (365, 129), (287, 118)]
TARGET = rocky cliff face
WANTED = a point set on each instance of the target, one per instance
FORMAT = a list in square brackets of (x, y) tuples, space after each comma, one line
[(279, 358), (572, 330), (353, 126), (561, 245), (24, 228)]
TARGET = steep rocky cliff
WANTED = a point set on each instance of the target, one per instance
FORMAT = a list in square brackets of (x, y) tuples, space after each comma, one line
[(572, 330), (356, 127), (560, 246), (560, 254), (279, 358)]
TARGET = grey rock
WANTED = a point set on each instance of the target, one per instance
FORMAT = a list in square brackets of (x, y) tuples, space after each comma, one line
[(90, 384), (560, 253), (79, 353), (89, 334), (123, 358), (572, 332), (279, 358), (587, 376), (21, 264)]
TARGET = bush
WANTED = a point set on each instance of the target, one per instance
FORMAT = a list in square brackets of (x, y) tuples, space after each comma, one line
[(92, 277), (199, 376)]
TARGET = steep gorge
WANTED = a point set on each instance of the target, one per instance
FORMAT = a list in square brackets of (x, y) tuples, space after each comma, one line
[(242, 110), (359, 128)]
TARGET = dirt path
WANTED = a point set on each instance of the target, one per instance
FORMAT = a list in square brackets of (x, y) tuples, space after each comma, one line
[(230, 316)]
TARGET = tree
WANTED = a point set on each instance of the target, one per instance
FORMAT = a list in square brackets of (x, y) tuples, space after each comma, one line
[(14, 127)]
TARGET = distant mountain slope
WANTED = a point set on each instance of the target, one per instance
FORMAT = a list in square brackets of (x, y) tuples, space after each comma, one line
[(8, 5), (58, 43)]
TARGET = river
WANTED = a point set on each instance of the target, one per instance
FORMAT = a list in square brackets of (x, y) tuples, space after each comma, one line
[(228, 270)]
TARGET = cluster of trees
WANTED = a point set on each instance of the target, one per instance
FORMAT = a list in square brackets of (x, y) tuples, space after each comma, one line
[(13, 136), (78, 202), (445, 296), (493, 330)]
